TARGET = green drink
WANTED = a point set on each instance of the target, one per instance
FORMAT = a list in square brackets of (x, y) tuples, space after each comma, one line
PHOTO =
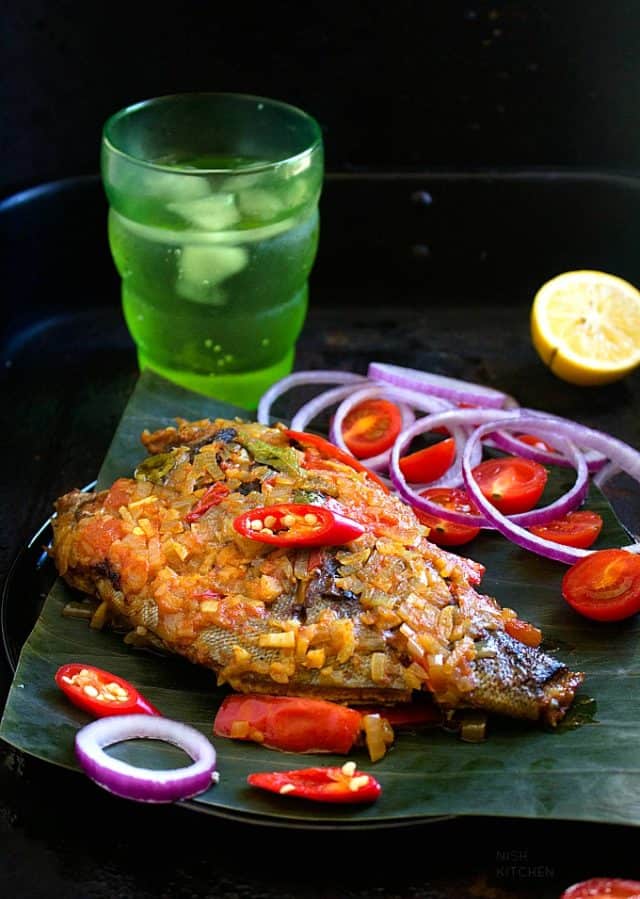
[(213, 227)]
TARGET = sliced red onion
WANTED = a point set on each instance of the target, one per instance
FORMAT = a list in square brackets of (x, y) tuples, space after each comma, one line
[(318, 404), (145, 784), (452, 389), (511, 527), (484, 418), (298, 379), (451, 420), (509, 443)]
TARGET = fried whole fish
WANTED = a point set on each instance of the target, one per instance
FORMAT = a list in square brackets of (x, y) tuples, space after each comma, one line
[(368, 621)]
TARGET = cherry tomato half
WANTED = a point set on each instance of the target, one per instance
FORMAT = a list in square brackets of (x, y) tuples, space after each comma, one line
[(579, 529), (430, 463), (603, 888), (371, 427), (511, 484), (605, 585), (536, 442), (446, 533)]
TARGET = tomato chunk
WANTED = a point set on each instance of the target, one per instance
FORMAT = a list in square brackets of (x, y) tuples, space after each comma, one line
[(371, 427), (579, 529), (605, 585), (446, 533), (289, 723), (430, 463), (511, 483), (604, 888)]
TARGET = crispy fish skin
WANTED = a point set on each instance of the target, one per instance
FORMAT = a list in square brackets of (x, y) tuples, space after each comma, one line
[(373, 620)]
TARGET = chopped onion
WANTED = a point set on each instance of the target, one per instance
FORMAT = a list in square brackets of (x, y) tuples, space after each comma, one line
[(298, 379), (452, 389), (145, 784)]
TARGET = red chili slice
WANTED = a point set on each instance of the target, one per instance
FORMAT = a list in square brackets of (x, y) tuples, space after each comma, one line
[(100, 693), (322, 448), (330, 784), (297, 524), (212, 496)]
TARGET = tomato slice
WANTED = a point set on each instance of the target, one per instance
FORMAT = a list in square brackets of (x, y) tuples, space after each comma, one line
[(579, 529), (537, 442), (371, 427), (430, 463), (289, 723), (603, 888), (511, 484), (605, 585), (446, 533)]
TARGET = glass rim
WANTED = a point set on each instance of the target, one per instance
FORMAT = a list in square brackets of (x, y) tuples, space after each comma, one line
[(178, 169)]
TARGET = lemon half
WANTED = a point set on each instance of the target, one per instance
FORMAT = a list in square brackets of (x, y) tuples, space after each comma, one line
[(585, 326)]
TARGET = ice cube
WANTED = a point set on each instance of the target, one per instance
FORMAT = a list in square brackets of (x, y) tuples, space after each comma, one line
[(259, 204), (214, 212), (203, 268), (152, 183)]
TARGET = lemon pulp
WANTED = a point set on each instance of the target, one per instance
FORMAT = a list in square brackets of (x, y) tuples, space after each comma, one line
[(585, 325)]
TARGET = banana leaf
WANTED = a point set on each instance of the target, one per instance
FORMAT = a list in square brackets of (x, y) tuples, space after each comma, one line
[(587, 769)]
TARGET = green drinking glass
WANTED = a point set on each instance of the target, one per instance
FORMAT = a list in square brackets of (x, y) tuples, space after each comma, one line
[(213, 227)]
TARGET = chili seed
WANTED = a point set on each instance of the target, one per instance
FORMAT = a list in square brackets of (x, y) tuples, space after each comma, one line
[(349, 769), (256, 525), (310, 518), (289, 520), (270, 520), (90, 691), (286, 788), (357, 782)]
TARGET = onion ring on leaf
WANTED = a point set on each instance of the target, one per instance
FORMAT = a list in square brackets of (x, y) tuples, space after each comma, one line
[(511, 527), (145, 784), (453, 389), (297, 379), (318, 404), (406, 401)]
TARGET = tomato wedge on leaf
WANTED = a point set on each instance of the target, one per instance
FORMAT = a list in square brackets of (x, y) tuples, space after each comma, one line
[(603, 888), (430, 463), (579, 529), (605, 585), (371, 427), (446, 533), (511, 483), (289, 723)]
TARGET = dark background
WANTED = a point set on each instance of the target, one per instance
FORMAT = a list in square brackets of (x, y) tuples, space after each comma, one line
[(394, 84)]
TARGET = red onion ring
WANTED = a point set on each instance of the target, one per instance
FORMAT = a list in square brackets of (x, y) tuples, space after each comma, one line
[(297, 379), (452, 389), (405, 400), (485, 418), (145, 784), (511, 527), (318, 404), (510, 444)]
